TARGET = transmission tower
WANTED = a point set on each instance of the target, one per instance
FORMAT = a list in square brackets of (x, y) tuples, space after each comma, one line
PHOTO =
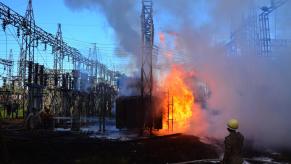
[(93, 56), (28, 42), (264, 26), (147, 36), (58, 54), (59, 49), (147, 32)]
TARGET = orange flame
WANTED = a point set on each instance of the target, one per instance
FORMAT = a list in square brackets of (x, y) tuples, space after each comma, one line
[(178, 102), (180, 112)]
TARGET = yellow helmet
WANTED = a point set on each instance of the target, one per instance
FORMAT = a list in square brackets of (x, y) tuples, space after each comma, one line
[(232, 124)]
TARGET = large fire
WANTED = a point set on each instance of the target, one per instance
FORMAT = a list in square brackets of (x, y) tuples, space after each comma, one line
[(178, 100), (180, 112)]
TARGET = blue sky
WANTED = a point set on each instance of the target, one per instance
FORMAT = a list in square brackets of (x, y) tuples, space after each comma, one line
[(80, 29), (83, 27)]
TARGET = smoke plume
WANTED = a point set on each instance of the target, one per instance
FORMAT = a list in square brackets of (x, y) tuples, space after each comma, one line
[(251, 88), (122, 17)]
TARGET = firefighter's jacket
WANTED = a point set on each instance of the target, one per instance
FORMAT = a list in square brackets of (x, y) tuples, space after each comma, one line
[(233, 148)]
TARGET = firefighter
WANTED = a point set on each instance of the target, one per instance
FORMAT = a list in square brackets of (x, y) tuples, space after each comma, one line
[(233, 144)]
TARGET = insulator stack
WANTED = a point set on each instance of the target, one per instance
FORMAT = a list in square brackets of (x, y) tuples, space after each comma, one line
[(13, 85), (4, 82), (41, 75), (45, 79), (30, 65), (36, 73), (56, 79), (64, 81), (84, 82), (76, 75), (67, 81), (70, 83)]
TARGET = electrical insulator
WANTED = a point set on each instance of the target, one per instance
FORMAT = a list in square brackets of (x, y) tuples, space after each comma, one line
[(12, 85), (36, 73), (45, 79), (70, 83), (67, 80), (64, 81), (18, 32), (8, 14), (41, 74), (4, 82), (3, 26), (56, 79), (29, 72)]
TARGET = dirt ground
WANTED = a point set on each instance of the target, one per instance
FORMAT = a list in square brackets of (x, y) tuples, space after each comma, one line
[(41, 146), (49, 147)]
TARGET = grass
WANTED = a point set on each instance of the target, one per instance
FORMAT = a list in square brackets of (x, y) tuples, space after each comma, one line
[(3, 113)]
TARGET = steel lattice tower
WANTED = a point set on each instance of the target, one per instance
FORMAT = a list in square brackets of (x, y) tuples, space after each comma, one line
[(264, 26), (147, 36), (58, 53), (28, 42)]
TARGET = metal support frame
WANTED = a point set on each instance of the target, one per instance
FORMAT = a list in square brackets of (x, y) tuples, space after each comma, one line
[(147, 32), (264, 27), (33, 35), (264, 34), (255, 31)]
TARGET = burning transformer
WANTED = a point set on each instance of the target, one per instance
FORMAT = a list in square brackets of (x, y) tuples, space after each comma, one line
[(135, 112), (170, 105)]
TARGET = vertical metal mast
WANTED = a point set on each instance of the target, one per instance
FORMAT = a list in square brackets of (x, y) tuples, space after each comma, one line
[(27, 48), (58, 54), (264, 26), (29, 39), (147, 36)]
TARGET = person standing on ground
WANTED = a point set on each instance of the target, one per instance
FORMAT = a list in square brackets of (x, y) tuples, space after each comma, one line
[(233, 144)]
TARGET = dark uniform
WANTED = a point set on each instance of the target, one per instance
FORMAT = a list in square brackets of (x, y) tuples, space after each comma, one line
[(233, 148)]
